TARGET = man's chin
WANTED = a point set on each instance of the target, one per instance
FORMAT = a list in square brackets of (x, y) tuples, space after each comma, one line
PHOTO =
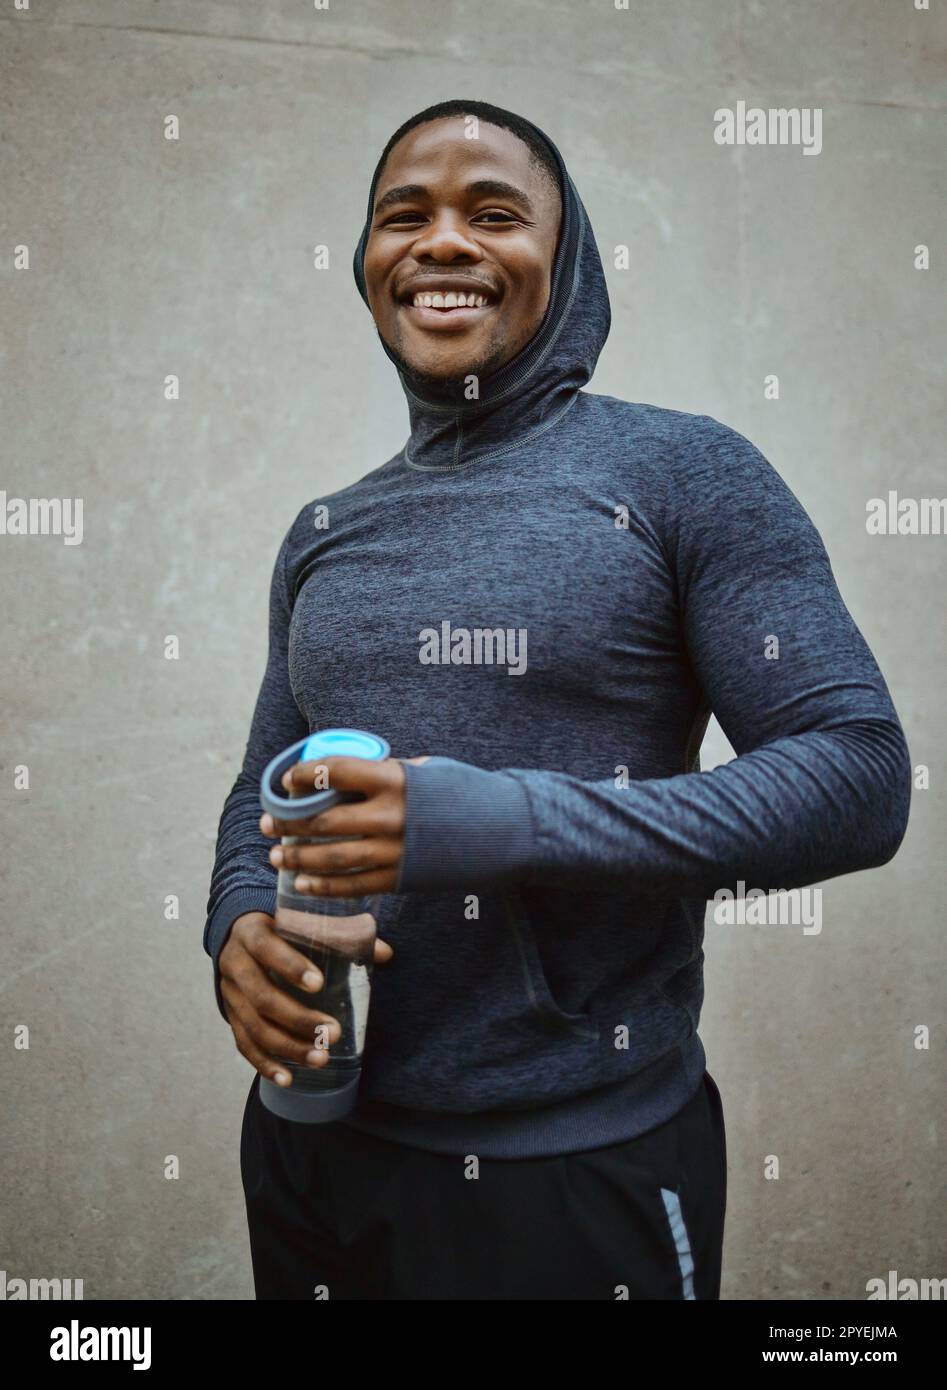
[(435, 373), (421, 381)]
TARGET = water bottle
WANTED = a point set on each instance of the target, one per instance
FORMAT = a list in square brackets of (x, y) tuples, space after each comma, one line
[(336, 934)]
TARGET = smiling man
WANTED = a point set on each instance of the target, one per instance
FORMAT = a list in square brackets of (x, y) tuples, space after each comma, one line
[(457, 295), (535, 1116)]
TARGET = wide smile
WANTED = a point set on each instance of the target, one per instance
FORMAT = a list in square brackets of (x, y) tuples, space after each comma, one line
[(446, 309)]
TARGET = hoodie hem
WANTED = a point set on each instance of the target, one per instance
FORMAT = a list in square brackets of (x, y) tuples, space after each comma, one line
[(611, 1114)]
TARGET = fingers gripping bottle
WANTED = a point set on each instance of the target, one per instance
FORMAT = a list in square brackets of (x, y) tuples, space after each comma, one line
[(336, 934)]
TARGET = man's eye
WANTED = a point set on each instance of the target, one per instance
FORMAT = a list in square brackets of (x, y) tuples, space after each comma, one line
[(404, 219)]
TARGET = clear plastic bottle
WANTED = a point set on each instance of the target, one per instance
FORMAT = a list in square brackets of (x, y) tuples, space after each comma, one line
[(336, 934)]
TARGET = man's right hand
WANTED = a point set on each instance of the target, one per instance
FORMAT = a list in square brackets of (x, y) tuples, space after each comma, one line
[(267, 1023)]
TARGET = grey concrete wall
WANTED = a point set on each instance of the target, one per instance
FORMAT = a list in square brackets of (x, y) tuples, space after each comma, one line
[(150, 257)]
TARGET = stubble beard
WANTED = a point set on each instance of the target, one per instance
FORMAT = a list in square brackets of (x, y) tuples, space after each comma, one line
[(490, 361)]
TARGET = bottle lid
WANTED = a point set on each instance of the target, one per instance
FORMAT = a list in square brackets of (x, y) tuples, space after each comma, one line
[(349, 743), (326, 743)]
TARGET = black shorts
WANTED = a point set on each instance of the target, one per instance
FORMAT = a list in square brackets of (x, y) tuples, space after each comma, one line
[(334, 1213)]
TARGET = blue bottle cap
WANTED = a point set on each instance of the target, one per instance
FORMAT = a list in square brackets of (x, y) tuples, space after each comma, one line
[(326, 743), (349, 743)]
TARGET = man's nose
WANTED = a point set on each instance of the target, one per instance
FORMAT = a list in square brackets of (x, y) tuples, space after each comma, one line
[(446, 238)]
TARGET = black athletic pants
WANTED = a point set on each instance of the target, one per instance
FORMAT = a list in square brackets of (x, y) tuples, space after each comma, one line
[(339, 1214)]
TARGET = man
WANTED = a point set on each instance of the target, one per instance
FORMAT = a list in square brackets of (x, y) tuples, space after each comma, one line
[(538, 602)]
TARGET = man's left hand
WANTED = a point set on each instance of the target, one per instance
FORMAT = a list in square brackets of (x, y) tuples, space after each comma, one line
[(378, 821)]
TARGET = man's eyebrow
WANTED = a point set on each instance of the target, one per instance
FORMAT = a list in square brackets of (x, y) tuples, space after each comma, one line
[(405, 193), (497, 188)]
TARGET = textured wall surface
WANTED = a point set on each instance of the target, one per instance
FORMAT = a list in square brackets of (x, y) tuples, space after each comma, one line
[(193, 257)]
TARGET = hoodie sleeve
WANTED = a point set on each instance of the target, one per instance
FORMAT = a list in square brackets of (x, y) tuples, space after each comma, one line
[(821, 784), (243, 878)]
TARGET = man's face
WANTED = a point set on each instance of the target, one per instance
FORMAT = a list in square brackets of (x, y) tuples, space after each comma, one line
[(456, 216)]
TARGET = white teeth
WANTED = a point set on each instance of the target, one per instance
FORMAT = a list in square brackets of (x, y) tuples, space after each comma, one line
[(449, 300)]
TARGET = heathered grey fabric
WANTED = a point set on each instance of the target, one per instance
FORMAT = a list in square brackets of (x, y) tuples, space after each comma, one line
[(649, 555)]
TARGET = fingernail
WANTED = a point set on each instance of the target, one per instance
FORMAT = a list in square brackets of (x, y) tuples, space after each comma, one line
[(315, 1057), (312, 980), (282, 1078), (276, 855), (266, 824), (302, 883)]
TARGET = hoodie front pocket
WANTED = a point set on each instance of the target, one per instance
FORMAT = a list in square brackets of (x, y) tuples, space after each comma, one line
[(534, 976)]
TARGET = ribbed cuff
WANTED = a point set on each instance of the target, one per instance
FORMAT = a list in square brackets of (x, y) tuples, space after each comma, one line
[(217, 930), (463, 826)]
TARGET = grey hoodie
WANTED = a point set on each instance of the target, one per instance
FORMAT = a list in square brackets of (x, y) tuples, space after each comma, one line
[(550, 591)]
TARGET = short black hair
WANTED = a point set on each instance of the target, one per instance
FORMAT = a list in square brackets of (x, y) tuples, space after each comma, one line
[(541, 156)]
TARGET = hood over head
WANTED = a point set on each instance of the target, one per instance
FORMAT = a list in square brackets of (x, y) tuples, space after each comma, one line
[(529, 392)]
